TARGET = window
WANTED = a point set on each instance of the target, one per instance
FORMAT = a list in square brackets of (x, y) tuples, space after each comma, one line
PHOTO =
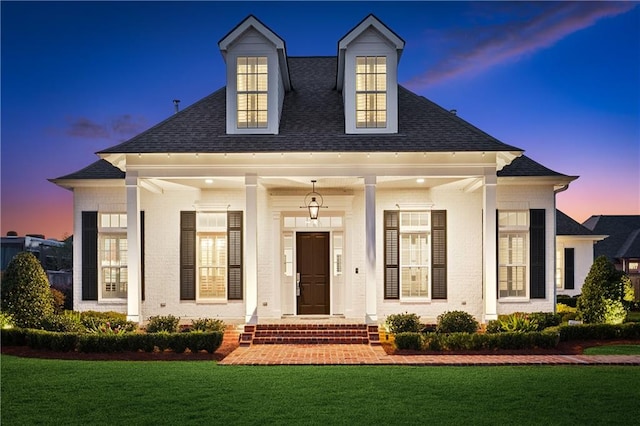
[(112, 254), (252, 88), (633, 265), (513, 230), (371, 91), (211, 255), (414, 254), (560, 267)]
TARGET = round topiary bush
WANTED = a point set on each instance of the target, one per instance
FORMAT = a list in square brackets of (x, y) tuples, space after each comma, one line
[(25, 291), (456, 322)]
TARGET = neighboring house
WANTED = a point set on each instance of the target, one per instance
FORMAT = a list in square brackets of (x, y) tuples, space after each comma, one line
[(420, 211), (574, 254), (622, 247)]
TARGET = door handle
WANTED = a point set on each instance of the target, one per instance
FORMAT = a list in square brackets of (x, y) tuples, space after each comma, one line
[(298, 284)]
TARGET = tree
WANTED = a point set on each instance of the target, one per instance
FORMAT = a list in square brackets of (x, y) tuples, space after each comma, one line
[(604, 292), (25, 291)]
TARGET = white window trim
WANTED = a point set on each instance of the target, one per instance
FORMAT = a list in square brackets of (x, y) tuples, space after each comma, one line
[(211, 231), (427, 230), (102, 233), (527, 243)]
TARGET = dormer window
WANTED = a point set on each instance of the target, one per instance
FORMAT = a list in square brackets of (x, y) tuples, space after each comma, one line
[(252, 92), (371, 91), (367, 77)]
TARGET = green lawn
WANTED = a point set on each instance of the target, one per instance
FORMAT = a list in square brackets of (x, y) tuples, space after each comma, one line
[(613, 350), (37, 391)]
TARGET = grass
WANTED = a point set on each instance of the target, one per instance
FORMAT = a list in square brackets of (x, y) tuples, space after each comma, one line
[(613, 350), (41, 391)]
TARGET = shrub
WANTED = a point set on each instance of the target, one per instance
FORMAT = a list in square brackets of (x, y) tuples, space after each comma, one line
[(14, 336), (42, 339), (58, 300), (518, 322), (408, 340), (494, 326), (67, 322), (614, 312), (25, 291), (561, 308), (476, 341), (599, 331), (403, 323), (545, 319), (167, 323), (6, 320), (93, 320), (456, 322), (208, 324), (105, 343), (603, 283), (567, 300)]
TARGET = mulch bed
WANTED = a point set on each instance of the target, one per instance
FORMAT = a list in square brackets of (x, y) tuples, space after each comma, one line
[(230, 343), (575, 347)]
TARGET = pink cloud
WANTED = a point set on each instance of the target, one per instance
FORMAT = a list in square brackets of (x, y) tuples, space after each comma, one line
[(509, 41)]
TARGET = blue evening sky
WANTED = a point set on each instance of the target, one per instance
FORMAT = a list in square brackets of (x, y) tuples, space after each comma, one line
[(560, 80)]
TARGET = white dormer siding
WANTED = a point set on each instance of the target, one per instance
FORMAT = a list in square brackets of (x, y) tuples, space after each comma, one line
[(368, 77), (257, 78)]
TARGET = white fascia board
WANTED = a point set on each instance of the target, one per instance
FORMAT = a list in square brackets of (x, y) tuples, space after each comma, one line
[(71, 184), (372, 21)]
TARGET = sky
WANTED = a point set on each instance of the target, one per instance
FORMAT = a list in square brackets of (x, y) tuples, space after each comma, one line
[(560, 80)]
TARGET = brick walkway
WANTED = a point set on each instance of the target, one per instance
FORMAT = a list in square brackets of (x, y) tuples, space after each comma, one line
[(375, 355)]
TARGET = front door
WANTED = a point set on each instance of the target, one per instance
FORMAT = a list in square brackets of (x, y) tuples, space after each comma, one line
[(312, 249)]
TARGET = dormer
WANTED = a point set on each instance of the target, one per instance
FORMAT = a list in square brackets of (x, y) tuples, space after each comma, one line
[(257, 78), (368, 59)]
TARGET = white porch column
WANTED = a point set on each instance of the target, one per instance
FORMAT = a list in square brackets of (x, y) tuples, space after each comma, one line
[(134, 278), (251, 249), (490, 281), (370, 244)]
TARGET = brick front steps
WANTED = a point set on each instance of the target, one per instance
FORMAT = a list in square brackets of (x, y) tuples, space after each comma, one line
[(318, 334)]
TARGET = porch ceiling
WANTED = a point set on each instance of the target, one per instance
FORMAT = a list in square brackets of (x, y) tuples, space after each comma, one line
[(299, 183)]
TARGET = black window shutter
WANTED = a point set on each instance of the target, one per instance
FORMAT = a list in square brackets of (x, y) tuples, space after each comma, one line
[(234, 256), (391, 255), (439, 254), (142, 252), (537, 253), (569, 278), (89, 255), (187, 255)]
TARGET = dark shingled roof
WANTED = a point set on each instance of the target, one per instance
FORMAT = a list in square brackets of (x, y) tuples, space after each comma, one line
[(567, 226), (101, 169), (525, 166), (624, 235), (313, 120)]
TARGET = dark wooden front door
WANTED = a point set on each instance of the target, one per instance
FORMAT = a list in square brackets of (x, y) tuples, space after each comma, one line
[(312, 250)]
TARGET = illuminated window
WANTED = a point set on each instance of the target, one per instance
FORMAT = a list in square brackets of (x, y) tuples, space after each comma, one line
[(371, 91), (559, 267), (512, 253), (112, 252), (252, 88), (212, 255), (414, 254)]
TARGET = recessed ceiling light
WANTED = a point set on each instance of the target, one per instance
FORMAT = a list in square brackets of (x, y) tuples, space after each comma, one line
[(420, 180), (208, 181)]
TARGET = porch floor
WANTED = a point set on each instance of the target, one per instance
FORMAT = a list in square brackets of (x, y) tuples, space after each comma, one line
[(375, 355)]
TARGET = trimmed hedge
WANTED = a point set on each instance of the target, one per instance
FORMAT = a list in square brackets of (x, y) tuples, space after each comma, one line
[(15, 336), (629, 330), (109, 343), (476, 341)]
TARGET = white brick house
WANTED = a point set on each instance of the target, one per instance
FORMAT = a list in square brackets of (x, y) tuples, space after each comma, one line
[(200, 216)]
